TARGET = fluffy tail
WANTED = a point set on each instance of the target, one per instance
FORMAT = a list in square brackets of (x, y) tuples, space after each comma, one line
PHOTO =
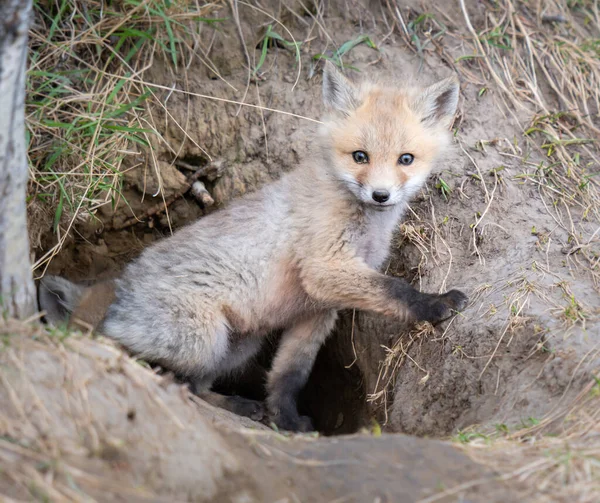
[(58, 297)]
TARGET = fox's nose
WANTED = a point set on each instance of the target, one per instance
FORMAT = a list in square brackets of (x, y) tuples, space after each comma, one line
[(381, 196)]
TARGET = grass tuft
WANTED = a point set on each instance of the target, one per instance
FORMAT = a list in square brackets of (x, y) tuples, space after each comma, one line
[(86, 98)]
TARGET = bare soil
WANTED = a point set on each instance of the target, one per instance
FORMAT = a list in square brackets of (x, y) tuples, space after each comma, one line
[(91, 423)]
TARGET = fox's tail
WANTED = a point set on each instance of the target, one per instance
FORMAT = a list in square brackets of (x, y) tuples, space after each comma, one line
[(58, 297)]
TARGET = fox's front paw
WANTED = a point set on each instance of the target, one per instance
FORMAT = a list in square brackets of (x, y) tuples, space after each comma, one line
[(293, 422), (436, 308), (250, 408), (455, 299)]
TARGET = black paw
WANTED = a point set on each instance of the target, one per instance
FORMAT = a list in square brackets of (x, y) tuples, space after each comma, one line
[(455, 299), (295, 423), (437, 308), (246, 407)]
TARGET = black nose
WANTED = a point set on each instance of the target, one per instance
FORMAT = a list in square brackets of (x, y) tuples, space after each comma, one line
[(381, 196)]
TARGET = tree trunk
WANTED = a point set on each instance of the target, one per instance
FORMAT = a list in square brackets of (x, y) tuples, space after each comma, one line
[(17, 291)]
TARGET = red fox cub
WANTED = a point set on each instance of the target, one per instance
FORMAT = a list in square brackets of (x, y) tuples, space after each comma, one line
[(286, 257)]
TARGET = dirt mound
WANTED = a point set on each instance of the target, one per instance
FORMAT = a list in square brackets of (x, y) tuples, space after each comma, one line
[(81, 420)]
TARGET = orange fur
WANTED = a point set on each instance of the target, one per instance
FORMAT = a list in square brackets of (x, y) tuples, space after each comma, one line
[(93, 305), (385, 126)]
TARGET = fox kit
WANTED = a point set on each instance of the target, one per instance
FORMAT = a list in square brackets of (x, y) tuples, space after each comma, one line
[(286, 257)]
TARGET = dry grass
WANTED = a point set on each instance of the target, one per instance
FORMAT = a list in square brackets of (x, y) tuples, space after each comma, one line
[(88, 102), (45, 466), (395, 357), (544, 61), (552, 71), (82, 421), (562, 466)]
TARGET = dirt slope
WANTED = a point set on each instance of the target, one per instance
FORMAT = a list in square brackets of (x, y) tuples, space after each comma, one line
[(79, 418)]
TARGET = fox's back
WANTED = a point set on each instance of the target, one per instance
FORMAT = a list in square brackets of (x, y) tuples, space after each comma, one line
[(239, 261)]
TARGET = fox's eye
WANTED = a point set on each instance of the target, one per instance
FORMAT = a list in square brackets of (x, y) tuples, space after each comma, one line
[(360, 157), (406, 159)]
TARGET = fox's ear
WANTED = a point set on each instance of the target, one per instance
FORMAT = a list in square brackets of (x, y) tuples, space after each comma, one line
[(338, 92), (437, 103)]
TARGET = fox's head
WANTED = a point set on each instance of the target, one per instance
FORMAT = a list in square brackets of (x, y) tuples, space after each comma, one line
[(381, 142)]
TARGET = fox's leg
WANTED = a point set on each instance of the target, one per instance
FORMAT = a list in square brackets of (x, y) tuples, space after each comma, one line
[(236, 404), (193, 341), (291, 368), (239, 351), (348, 283)]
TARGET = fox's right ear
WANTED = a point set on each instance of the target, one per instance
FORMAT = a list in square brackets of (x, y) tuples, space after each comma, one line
[(338, 92), (58, 297), (437, 103)]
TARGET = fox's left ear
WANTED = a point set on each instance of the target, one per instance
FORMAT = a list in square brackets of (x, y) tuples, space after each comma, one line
[(437, 103), (339, 93)]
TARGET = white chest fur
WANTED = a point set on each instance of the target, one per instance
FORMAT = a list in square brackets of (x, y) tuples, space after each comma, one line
[(373, 243)]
